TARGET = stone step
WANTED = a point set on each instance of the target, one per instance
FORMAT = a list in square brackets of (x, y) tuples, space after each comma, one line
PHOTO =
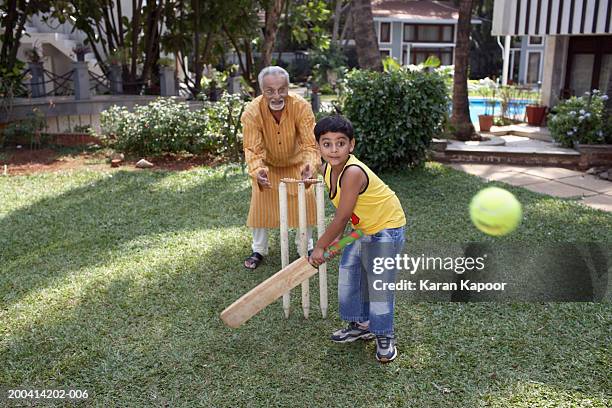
[(532, 132), (518, 155), (458, 148)]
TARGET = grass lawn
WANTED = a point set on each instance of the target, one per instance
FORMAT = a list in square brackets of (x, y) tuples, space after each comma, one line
[(112, 281)]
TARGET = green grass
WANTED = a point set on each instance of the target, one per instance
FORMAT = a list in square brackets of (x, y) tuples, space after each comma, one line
[(113, 282)]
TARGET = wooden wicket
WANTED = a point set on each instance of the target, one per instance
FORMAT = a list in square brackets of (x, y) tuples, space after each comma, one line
[(303, 240)]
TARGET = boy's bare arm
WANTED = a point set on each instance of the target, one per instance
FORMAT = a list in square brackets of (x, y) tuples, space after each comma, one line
[(353, 180)]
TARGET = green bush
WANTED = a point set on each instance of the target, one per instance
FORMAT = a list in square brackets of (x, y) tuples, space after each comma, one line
[(327, 60), (395, 115), (580, 120), (225, 128), (170, 126), (26, 131)]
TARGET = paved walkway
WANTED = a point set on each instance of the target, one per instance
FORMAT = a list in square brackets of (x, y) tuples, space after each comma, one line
[(554, 181)]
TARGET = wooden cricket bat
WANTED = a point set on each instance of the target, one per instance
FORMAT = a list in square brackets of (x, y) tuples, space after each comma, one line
[(276, 285)]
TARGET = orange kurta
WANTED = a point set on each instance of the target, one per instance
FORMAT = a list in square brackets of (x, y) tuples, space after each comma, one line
[(283, 149)]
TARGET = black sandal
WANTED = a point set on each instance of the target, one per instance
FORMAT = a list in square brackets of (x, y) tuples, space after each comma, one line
[(254, 259)]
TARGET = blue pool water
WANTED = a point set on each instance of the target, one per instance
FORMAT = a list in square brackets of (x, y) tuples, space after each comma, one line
[(477, 107)]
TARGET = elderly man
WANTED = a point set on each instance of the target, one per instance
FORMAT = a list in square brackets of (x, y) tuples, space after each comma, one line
[(278, 143)]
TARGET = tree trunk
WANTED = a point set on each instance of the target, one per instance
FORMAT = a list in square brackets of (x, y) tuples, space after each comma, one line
[(272, 17), (336, 18), (10, 21), (460, 118), (154, 18), (368, 54)]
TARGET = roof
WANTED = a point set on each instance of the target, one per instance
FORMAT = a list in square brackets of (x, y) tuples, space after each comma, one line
[(414, 10)]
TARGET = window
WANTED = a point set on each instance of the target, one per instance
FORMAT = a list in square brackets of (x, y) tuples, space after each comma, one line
[(533, 67), (534, 40), (515, 63), (428, 33), (409, 32), (447, 34), (516, 42), (385, 32), (419, 55), (606, 71), (385, 53)]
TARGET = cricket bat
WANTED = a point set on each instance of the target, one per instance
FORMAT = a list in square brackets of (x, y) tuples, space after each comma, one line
[(276, 285)]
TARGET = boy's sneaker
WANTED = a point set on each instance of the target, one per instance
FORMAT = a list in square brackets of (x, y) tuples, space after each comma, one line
[(351, 333), (385, 349)]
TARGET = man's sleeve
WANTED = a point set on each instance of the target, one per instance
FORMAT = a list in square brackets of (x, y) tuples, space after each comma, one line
[(253, 144), (306, 124)]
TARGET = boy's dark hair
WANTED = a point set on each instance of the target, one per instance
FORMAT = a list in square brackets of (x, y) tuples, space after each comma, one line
[(336, 124)]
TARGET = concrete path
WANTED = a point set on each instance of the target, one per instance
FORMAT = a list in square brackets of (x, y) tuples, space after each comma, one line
[(554, 181)]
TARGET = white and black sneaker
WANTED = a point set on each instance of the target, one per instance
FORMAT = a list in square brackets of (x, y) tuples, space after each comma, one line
[(351, 333), (385, 349)]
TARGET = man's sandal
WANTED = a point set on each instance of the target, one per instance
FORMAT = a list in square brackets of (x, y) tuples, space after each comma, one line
[(253, 260)]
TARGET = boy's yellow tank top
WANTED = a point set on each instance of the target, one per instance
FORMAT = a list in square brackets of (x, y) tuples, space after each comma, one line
[(377, 206)]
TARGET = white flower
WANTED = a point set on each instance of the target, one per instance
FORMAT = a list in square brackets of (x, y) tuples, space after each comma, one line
[(595, 91), (587, 115), (582, 111), (575, 129), (581, 118), (587, 93), (572, 113), (604, 97), (570, 133), (600, 133)]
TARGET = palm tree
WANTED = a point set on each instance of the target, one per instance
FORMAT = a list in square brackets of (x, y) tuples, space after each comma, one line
[(368, 55), (460, 118)]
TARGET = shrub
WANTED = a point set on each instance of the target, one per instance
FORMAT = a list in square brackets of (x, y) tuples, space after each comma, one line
[(580, 120), (395, 115), (225, 128), (170, 126), (162, 126), (25, 131), (325, 61)]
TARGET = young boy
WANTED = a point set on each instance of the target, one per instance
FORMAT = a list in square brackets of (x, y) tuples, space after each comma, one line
[(364, 199)]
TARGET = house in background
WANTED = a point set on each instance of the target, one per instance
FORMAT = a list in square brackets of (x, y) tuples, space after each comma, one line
[(526, 60), (411, 31), (577, 40)]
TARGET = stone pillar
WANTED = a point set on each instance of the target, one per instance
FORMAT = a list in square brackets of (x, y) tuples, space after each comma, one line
[(81, 81), (315, 100), (555, 61), (167, 83), (233, 85), (116, 79), (37, 83)]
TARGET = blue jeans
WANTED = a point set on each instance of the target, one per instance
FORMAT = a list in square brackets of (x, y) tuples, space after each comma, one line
[(356, 278)]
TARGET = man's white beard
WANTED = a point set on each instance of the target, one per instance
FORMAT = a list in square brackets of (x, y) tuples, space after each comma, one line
[(277, 107)]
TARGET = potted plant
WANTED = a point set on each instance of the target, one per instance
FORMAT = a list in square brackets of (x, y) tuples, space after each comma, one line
[(486, 121), (535, 112)]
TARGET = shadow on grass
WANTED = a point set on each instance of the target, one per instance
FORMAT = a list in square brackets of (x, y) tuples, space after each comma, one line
[(154, 338), (150, 334), (93, 224)]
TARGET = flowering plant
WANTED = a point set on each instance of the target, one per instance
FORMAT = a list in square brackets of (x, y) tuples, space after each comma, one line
[(580, 120)]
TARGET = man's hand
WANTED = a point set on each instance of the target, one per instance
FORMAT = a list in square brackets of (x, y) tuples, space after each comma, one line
[(307, 174), (316, 258), (262, 179)]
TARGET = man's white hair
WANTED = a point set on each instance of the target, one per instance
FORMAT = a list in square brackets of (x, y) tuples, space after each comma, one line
[(271, 70)]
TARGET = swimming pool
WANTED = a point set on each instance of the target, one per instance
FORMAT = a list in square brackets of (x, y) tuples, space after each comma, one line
[(516, 109)]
